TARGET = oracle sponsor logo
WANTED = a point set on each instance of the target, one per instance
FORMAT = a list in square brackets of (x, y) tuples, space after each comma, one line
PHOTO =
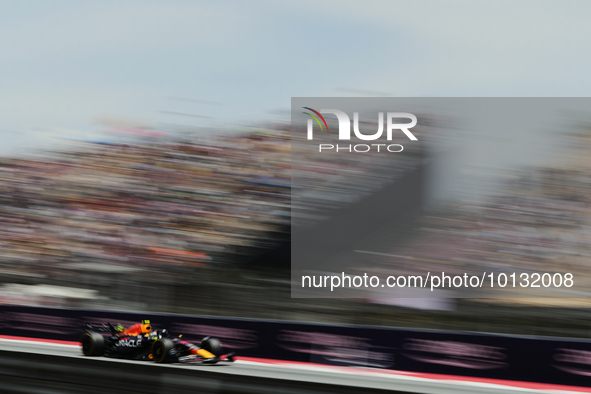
[(130, 342), (236, 338), (458, 354), (573, 356), (335, 348)]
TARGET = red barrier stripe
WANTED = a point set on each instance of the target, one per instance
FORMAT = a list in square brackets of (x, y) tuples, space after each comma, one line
[(39, 340)]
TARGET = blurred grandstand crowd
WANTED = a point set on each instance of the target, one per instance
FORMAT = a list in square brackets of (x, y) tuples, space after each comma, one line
[(145, 209), (509, 234), (173, 224), (147, 216), (538, 221)]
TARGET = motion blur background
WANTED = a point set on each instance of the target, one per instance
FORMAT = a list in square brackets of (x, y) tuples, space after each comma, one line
[(146, 152)]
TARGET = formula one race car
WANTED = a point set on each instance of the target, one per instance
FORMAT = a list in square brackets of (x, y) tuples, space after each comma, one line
[(140, 342)]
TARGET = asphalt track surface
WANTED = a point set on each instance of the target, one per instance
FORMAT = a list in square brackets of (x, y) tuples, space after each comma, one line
[(354, 377)]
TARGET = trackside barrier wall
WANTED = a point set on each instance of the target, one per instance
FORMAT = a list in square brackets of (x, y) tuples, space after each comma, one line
[(545, 360)]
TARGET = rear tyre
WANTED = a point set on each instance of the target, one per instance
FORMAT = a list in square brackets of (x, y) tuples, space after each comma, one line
[(93, 344), (161, 350), (212, 345)]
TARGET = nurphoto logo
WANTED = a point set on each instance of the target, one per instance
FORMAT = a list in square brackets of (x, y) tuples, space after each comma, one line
[(345, 130)]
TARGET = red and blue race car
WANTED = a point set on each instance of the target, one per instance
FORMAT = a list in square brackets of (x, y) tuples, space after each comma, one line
[(141, 342)]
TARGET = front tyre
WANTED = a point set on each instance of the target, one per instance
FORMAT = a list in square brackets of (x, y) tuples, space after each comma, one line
[(212, 345), (93, 344), (161, 350)]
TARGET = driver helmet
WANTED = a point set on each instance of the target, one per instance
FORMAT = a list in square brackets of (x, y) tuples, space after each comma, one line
[(146, 327)]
